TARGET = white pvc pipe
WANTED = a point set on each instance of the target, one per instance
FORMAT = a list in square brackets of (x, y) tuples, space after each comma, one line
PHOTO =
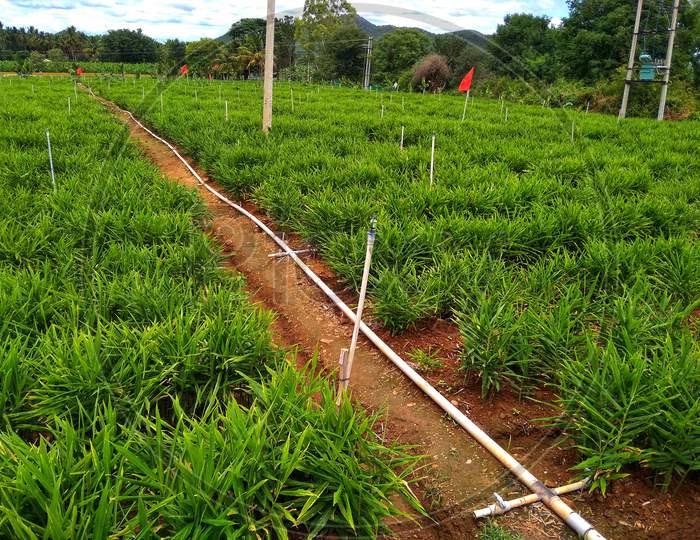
[(363, 294), (53, 177), (501, 507), (547, 496), (432, 160), (284, 253)]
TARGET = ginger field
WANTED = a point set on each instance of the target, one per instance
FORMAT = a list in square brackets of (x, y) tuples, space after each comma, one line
[(140, 393), (563, 245)]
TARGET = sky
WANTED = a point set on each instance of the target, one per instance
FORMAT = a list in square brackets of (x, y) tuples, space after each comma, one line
[(191, 20)]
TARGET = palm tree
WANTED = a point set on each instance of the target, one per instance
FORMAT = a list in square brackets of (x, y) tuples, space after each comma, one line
[(250, 56), (91, 49), (225, 63), (71, 42)]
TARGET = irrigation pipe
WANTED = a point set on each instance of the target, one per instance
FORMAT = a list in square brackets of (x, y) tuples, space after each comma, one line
[(577, 523), (501, 506)]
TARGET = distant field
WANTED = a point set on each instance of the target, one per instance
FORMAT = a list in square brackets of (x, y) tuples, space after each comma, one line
[(567, 263), (88, 67), (140, 393)]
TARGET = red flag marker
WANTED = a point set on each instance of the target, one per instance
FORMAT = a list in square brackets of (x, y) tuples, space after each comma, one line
[(466, 83), (79, 72), (184, 70)]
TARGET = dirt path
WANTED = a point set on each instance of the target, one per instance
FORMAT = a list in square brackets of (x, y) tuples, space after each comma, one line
[(460, 475)]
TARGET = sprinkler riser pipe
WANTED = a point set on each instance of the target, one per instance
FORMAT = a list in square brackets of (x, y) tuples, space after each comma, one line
[(361, 301)]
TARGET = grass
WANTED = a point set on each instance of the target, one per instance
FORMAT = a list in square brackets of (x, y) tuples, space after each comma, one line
[(491, 531), (426, 360), (141, 395), (550, 255)]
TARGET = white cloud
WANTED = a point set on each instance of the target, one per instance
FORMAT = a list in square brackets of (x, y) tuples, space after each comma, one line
[(189, 20)]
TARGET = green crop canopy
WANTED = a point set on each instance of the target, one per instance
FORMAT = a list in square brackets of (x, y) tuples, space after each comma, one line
[(647, 71)]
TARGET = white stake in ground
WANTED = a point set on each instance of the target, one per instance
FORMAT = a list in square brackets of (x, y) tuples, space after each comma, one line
[(588, 104), (344, 377), (53, 176), (466, 102), (506, 118), (68, 104), (401, 144), (361, 302), (573, 129), (226, 110), (382, 115), (291, 95), (432, 160)]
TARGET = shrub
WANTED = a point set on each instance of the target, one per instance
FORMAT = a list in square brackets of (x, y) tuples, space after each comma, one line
[(432, 73)]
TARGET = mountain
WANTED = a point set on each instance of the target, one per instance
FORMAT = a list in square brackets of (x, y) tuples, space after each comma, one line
[(473, 37), (377, 31)]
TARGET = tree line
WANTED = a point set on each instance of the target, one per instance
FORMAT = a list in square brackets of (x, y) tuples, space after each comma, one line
[(326, 43)]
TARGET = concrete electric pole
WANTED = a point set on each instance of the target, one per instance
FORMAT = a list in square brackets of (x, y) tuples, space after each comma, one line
[(269, 66)]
